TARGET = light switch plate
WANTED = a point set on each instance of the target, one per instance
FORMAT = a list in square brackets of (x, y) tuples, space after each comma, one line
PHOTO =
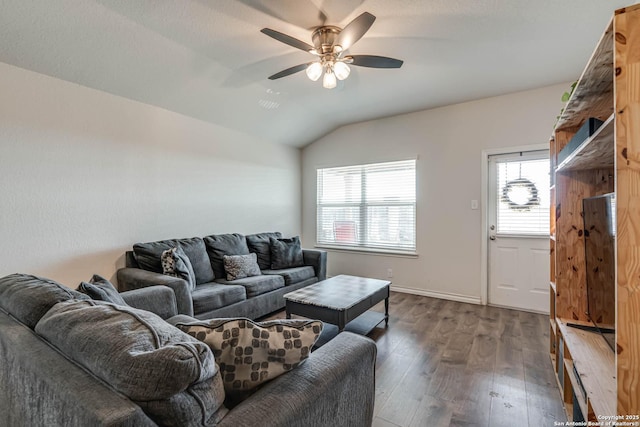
[(474, 204)]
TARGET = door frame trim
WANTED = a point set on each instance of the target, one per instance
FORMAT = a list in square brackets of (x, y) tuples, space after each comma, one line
[(484, 197)]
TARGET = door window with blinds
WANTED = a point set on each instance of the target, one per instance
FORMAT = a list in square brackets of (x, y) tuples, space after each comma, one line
[(369, 206), (522, 202)]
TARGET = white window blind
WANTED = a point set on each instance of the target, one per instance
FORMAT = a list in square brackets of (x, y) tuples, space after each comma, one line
[(368, 206), (523, 197)]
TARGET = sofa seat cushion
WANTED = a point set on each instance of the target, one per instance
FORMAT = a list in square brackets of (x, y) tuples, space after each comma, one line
[(257, 285), (293, 275), (259, 244), (172, 376), (148, 256), (219, 245), (28, 298), (209, 296)]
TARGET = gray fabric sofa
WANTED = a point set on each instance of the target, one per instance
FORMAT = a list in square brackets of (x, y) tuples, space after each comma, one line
[(51, 382), (214, 296)]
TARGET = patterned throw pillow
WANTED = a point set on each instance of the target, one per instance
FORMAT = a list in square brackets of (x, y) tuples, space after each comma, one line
[(286, 253), (241, 266), (175, 263), (249, 353), (100, 289)]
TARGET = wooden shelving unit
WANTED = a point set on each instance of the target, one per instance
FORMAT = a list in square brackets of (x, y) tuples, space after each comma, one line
[(602, 382)]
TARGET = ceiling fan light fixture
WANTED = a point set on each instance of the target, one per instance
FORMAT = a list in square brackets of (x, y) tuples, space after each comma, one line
[(341, 70), (329, 80), (314, 71)]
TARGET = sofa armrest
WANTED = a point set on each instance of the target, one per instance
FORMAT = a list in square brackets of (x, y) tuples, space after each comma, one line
[(334, 387), (159, 299), (136, 278), (318, 260)]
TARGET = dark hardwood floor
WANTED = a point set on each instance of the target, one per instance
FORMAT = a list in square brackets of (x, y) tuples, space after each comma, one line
[(445, 363)]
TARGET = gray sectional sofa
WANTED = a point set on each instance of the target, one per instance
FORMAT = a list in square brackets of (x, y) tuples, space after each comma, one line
[(68, 360), (214, 295)]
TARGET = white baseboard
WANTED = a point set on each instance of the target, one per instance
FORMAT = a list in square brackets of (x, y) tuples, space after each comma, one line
[(441, 295)]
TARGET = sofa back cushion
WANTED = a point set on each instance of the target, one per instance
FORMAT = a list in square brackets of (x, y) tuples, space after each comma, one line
[(286, 253), (28, 298), (148, 256), (219, 245), (172, 376), (259, 244)]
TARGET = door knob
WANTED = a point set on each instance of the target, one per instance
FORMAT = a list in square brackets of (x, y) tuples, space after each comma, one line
[(492, 237)]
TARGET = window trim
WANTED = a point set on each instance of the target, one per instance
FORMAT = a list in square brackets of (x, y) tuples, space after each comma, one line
[(368, 251), (362, 208)]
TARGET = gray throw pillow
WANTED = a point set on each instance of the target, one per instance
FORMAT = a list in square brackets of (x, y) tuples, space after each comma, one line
[(241, 266), (250, 353), (175, 263), (285, 253), (100, 289)]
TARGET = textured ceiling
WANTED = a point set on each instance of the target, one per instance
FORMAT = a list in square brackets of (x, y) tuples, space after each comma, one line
[(207, 58)]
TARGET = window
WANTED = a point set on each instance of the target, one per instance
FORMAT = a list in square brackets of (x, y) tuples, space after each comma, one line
[(523, 197), (368, 206)]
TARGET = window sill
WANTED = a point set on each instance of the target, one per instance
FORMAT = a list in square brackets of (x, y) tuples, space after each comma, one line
[(369, 251)]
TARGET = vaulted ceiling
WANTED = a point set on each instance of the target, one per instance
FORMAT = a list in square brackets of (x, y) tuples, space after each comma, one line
[(208, 59)]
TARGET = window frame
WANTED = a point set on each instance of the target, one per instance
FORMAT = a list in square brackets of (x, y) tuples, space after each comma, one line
[(363, 207)]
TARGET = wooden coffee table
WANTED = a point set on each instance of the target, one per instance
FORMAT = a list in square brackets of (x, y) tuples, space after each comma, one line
[(343, 301)]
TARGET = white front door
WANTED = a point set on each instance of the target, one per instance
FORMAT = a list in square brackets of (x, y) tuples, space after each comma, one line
[(518, 231)]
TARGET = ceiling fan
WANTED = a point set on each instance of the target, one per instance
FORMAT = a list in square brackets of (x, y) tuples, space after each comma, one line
[(330, 44)]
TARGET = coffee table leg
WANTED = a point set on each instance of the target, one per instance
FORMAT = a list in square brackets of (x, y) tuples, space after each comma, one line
[(386, 311)]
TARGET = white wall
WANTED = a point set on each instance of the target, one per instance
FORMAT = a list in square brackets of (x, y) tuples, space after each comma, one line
[(85, 174), (448, 142)]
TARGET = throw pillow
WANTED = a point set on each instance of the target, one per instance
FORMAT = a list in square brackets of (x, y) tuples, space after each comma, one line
[(175, 263), (241, 266), (249, 353), (100, 289), (285, 253)]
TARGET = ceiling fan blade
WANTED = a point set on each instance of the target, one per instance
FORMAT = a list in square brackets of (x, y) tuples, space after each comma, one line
[(288, 71), (355, 30), (374, 61), (291, 41)]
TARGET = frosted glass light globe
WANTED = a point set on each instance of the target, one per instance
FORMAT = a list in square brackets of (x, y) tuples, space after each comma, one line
[(341, 70), (314, 71)]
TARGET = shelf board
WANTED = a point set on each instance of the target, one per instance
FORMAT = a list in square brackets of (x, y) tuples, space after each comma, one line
[(595, 363), (593, 95), (582, 402), (596, 152)]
